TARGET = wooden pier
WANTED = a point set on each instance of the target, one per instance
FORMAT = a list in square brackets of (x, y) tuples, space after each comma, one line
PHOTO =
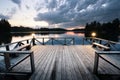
[(75, 62), (63, 63), (68, 62)]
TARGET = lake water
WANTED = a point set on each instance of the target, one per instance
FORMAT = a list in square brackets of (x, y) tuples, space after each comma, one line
[(22, 36), (13, 37), (77, 36)]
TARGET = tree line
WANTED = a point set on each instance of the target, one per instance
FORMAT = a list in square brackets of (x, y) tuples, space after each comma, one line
[(109, 28), (103, 30), (5, 27)]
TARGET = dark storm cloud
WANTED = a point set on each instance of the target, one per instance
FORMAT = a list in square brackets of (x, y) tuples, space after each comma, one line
[(18, 2), (103, 11), (52, 17), (52, 4), (4, 17), (79, 12)]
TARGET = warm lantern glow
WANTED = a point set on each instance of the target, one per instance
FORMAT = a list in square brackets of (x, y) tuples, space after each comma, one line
[(93, 34), (33, 35)]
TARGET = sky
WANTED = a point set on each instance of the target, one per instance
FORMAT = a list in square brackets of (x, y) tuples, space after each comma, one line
[(58, 13)]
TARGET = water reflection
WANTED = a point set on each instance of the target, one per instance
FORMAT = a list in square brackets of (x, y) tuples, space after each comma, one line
[(13, 37), (22, 36), (70, 33)]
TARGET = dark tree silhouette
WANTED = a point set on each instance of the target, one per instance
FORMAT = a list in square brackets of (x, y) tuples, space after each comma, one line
[(5, 38), (116, 24), (108, 30), (5, 32), (21, 29), (4, 26)]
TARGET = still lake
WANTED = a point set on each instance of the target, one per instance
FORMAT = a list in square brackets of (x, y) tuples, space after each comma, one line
[(78, 36), (14, 37)]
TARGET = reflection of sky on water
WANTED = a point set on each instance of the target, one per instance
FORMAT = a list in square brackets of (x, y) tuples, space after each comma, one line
[(14, 39), (68, 34), (77, 36)]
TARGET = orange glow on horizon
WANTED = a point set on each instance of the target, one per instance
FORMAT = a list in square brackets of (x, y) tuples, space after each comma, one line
[(80, 34), (73, 34), (70, 33), (78, 27)]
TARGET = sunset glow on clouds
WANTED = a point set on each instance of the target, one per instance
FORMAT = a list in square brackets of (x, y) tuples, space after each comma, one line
[(58, 13)]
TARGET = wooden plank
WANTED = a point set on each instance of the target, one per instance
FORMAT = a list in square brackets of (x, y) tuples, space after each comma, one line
[(81, 60), (46, 66), (63, 67), (42, 65), (76, 64), (68, 66), (101, 46), (53, 66), (27, 46), (72, 65), (59, 63)]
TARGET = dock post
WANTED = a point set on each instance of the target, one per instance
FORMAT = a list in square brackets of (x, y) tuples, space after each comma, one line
[(100, 41), (33, 41), (73, 41), (83, 41), (32, 62), (64, 41), (52, 41), (43, 42), (96, 61), (27, 41), (7, 59)]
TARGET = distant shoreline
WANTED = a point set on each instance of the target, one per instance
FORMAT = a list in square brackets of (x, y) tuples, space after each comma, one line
[(42, 31)]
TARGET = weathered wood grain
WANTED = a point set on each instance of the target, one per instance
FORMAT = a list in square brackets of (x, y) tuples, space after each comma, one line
[(74, 62)]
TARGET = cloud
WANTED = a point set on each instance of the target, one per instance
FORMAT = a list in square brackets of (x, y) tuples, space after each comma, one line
[(56, 14), (101, 13), (12, 11), (27, 7), (52, 4), (18, 2), (52, 17), (4, 17), (78, 12), (8, 14)]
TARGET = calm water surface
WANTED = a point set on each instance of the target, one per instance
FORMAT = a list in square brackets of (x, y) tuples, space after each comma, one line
[(77, 36), (14, 37), (10, 38)]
